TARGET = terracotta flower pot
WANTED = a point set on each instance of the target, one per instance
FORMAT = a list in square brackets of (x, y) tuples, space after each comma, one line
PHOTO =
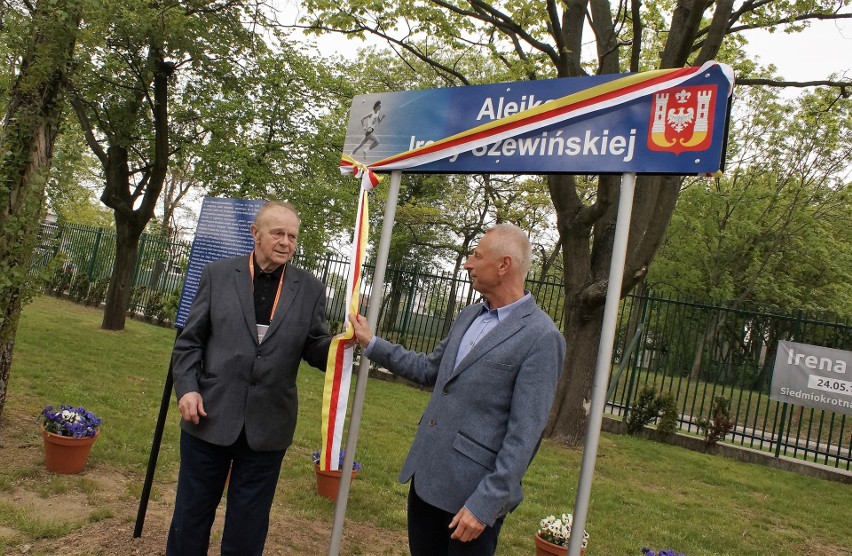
[(328, 482), (547, 548), (65, 454)]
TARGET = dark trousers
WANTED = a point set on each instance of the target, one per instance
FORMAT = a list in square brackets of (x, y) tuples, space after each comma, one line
[(201, 482), (429, 532)]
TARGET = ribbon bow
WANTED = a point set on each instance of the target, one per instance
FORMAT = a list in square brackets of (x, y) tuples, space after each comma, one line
[(369, 179)]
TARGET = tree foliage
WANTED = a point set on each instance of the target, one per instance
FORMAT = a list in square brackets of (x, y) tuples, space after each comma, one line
[(145, 67), (207, 95), (275, 133), (776, 230), (72, 187)]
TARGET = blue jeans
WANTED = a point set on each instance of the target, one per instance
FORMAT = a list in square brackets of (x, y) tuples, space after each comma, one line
[(429, 532), (201, 482)]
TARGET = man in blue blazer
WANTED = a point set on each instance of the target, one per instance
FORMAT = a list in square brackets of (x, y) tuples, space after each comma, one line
[(494, 379), (253, 320)]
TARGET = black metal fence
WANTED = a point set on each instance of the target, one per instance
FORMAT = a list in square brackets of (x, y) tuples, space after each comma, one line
[(77, 262), (698, 351), (695, 351)]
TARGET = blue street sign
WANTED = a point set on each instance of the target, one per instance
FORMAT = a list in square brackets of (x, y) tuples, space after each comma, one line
[(671, 130)]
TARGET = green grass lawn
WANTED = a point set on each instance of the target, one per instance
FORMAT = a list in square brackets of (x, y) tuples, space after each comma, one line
[(644, 493)]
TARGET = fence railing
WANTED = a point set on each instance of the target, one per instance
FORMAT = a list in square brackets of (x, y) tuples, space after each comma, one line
[(695, 351), (78, 262), (698, 351)]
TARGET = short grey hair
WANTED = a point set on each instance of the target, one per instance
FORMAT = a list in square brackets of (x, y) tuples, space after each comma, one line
[(270, 204), (513, 242)]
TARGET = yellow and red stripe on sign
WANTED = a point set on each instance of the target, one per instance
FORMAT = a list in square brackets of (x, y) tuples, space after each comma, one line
[(601, 97), (338, 373)]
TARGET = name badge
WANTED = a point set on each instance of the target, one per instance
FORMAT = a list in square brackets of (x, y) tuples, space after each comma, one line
[(261, 332)]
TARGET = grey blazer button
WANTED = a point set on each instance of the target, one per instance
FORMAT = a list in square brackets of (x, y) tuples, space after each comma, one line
[(444, 392), (431, 422)]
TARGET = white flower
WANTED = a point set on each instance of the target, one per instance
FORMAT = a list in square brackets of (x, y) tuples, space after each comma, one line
[(70, 416), (558, 531)]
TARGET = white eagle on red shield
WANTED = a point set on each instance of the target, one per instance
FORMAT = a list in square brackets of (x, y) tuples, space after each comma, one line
[(682, 119)]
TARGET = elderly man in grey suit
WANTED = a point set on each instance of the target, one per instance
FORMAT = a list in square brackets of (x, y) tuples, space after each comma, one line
[(494, 378), (253, 320)]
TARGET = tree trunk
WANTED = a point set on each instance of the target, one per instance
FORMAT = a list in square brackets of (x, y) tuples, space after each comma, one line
[(397, 285), (635, 321), (711, 329), (29, 132), (587, 235), (570, 410), (571, 407), (118, 194), (157, 272), (121, 283), (8, 328)]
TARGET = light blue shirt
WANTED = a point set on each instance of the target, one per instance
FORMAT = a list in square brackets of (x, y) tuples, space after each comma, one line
[(483, 324)]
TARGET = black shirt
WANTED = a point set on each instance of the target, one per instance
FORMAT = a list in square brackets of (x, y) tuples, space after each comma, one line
[(265, 288)]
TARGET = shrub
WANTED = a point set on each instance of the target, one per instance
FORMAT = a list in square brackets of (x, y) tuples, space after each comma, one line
[(719, 424), (137, 296), (153, 305), (650, 406), (97, 292), (667, 424), (61, 280), (169, 307), (643, 411), (79, 288)]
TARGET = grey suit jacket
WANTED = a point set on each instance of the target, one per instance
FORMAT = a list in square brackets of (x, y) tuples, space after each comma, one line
[(484, 420), (243, 383)]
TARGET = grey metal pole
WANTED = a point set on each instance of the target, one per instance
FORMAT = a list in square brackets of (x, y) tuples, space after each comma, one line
[(364, 367), (604, 363)]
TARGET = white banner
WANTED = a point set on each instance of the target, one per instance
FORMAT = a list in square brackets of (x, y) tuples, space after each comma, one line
[(813, 376)]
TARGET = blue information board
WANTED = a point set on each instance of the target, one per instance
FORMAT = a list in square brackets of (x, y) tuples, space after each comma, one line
[(223, 231)]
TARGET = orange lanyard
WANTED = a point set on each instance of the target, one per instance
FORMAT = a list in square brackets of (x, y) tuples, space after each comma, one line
[(280, 282)]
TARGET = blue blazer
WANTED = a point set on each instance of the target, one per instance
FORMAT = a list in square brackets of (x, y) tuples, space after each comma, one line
[(243, 383), (484, 420)]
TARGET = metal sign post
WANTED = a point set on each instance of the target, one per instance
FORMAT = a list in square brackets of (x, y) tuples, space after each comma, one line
[(364, 366), (604, 362)]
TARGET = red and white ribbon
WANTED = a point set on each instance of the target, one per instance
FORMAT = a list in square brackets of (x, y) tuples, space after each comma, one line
[(338, 374)]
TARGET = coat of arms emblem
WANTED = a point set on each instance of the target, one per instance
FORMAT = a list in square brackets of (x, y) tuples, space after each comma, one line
[(682, 119)]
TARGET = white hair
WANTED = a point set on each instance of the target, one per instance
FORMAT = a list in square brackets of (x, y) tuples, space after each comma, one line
[(514, 243), (268, 205)]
